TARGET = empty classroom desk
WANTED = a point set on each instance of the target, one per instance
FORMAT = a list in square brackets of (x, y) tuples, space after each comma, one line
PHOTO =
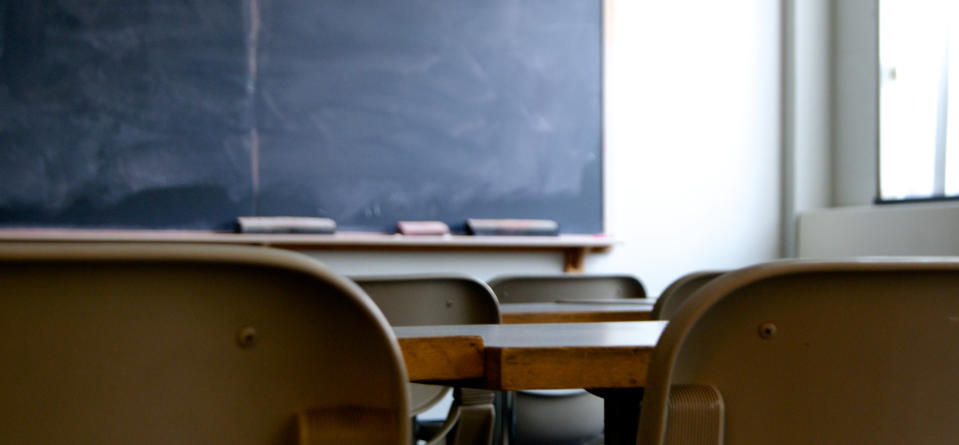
[(539, 356)]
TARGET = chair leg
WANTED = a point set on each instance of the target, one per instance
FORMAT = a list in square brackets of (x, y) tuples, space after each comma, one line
[(477, 417), (473, 416)]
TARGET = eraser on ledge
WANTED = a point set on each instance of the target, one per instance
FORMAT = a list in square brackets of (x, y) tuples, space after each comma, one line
[(422, 228), (285, 224), (524, 227)]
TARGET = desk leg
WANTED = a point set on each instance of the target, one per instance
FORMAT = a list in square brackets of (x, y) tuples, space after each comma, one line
[(621, 415)]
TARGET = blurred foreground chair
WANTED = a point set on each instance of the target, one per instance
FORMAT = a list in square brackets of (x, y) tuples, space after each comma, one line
[(441, 300), (802, 352), (186, 344), (675, 295), (560, 416)]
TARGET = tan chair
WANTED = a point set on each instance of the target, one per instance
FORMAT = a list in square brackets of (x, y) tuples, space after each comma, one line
[(673, 297), (440, 300), (803, 352), (560, 416), (550, 288), (187, 344)]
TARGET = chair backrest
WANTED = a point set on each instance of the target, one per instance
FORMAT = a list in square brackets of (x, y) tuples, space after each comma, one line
[(417, 300), (549, 288), (187, 344), (800, 352), (679, 291)]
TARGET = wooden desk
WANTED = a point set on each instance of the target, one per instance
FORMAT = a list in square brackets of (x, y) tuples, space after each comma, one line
[(531, 356), (576, 312), (610, 357)]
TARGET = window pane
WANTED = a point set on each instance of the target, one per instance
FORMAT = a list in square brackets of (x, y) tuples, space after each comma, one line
[(913, 57)]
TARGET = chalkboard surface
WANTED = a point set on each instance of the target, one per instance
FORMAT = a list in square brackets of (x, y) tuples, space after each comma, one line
[(188, 113)]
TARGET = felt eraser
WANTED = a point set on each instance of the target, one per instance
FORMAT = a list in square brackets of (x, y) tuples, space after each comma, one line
[(284, 224), (525, 227), (422, 228)]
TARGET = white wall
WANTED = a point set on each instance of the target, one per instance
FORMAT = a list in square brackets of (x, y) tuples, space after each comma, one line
[(692, 148), (482, 265), (902, 229), (692, 136)]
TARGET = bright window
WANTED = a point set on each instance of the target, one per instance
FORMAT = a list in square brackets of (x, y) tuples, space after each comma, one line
[(919, 99)]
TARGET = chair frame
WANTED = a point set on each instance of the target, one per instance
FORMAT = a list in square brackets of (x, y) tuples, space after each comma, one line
[(184, 267), (472, 411), (661, 385)]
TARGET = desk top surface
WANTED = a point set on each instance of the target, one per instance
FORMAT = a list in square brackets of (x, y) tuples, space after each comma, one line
[(531, 356), (546, 335)]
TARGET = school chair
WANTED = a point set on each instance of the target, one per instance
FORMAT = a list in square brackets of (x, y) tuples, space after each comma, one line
[(799, 352), (673, 297), (418, 300), (192, 344), (559, 416), (550, 288)]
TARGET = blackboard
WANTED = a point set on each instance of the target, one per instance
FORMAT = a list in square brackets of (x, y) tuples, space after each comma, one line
[(185, 114)]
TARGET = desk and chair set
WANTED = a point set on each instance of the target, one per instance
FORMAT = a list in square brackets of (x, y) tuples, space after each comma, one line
[(131, 343)]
